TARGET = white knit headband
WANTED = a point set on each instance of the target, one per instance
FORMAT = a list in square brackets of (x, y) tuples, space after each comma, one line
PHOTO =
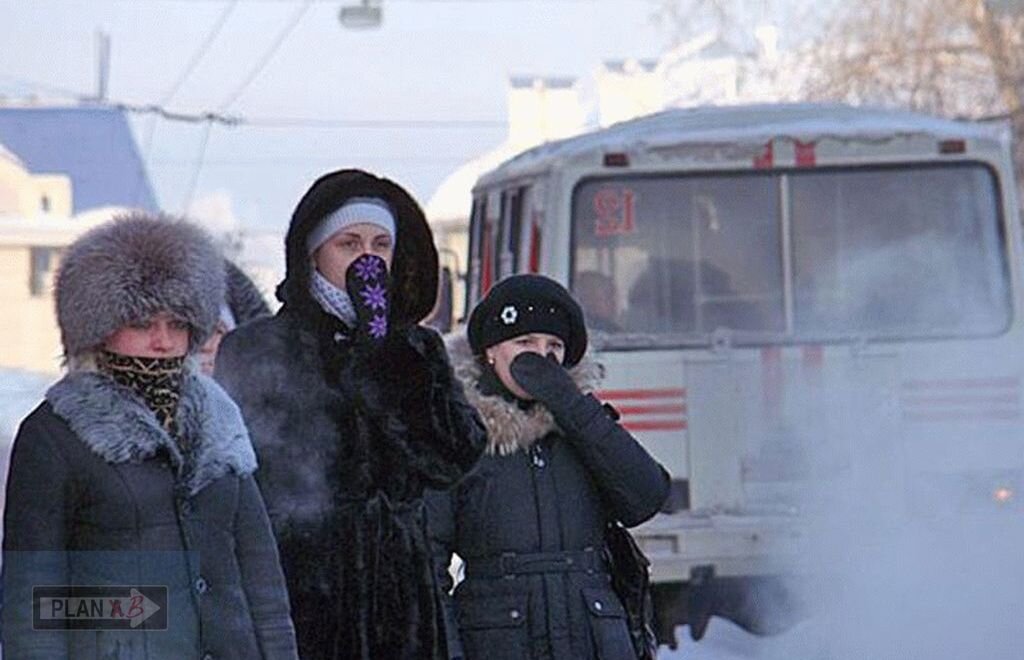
[(355, 211)]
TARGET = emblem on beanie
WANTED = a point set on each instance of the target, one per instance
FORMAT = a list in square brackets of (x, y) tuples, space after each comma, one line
[(509, 314)]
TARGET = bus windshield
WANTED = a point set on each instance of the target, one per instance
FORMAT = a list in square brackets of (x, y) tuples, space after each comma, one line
[(893, 252)]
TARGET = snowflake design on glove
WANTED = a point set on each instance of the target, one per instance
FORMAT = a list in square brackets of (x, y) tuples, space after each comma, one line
[(375, 297), (378, 327), (368, 269)]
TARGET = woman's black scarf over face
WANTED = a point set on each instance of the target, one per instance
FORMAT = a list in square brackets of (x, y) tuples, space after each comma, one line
[(156, 380)]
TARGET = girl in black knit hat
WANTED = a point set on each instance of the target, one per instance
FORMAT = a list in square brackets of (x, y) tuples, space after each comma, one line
[(133, 479), (530, 519)]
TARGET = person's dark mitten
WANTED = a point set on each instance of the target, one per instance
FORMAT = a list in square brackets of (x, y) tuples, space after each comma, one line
[(367, 283), (546, 380)]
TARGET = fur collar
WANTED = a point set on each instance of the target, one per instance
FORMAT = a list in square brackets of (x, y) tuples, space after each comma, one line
[(509, 427), (117, 426)]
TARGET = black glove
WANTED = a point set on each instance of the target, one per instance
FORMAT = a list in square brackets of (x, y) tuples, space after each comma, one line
[(367, 283), (546, 380)]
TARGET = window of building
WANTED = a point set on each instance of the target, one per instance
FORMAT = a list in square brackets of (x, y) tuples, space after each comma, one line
[(43, 263)]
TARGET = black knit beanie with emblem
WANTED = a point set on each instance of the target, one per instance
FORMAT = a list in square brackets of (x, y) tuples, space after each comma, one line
[(521, 304)]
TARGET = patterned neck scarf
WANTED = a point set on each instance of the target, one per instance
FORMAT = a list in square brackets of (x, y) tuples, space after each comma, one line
[(156, 380), (333, 300)]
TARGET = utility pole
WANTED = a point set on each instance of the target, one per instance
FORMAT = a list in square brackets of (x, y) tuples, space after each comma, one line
[(102, 64)]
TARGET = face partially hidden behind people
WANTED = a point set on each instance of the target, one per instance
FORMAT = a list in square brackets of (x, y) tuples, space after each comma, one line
[(500, 356), (160, 336), (207, 353), (333, 258), (597, 295)]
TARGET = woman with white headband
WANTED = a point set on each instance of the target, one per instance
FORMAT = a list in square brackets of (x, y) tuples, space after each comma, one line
[(354, 410)]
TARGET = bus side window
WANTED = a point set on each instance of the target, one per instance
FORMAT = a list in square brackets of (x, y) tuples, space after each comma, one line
[(529, 219), (501, 244), (473, 293), (490, 241), (514, 242)]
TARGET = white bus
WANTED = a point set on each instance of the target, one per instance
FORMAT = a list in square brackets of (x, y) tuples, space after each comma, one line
[(770, 281)]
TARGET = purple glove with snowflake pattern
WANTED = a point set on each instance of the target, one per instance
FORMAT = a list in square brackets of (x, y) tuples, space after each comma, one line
[(367, 283)]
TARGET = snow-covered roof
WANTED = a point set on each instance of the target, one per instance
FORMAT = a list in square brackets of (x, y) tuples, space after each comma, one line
[(745, 125), (551, 82), (53, 231), (92, 145), (9, 156), (452, 199)]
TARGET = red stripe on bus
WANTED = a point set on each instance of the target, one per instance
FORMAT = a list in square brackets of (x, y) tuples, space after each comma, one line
[(666, 425), (668, 393), (534, 247), (766, 158), (804, 153), (652, 410), (486, 262)]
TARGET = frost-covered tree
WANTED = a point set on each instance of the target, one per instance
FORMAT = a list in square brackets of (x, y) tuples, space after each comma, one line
[(962, 58), (734, 21)]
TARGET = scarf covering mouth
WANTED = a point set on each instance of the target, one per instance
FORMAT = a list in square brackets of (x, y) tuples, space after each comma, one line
[(156, 380), (332, 300)]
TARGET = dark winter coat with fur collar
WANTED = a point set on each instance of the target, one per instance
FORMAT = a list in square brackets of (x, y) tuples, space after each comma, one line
[(99, 494), (529, 522), (348, 438)]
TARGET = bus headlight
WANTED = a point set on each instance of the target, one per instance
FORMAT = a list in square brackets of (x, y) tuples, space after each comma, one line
[(1002, 495)]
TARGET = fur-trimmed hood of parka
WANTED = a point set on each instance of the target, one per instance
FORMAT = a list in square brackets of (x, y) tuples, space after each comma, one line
[(132, 267), (119, 428), (510, 427), (414, 269)]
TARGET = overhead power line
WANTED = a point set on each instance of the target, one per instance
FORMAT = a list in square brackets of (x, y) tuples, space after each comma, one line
[(300, 122), (200, 52), (230, 120), (305, 122), (170, 115), (268, 55)]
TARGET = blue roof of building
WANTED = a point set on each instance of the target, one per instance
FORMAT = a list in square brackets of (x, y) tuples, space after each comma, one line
[(92, 145)]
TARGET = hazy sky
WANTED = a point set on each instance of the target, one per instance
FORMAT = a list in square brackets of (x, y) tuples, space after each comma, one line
[(431, 60)]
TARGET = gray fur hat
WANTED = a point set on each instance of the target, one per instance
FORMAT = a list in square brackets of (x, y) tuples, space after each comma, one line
[(132, 267)]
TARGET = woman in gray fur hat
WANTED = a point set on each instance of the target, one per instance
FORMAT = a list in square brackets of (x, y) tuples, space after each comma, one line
[(133, 481)]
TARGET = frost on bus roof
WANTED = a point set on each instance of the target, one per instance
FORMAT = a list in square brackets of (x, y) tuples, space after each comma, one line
[(747, 125)]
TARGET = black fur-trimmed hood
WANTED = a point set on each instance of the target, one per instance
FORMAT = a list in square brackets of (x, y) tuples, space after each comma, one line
[(414, 269), (118, 427), (511, 428)]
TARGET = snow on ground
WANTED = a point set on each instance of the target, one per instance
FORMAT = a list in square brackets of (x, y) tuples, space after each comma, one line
[(20, 392), (725, 640)]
